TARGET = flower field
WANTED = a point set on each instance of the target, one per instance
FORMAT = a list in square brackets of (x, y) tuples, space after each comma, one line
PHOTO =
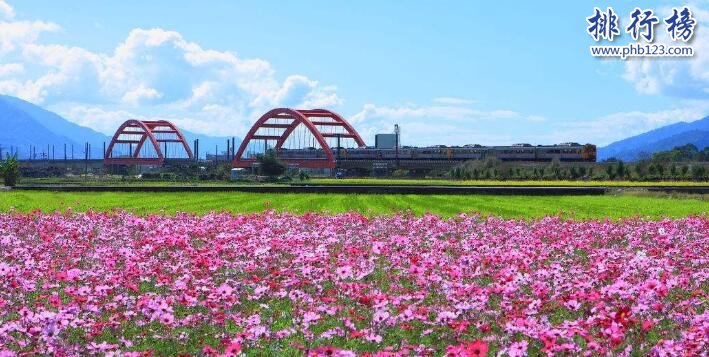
[(281, 284)]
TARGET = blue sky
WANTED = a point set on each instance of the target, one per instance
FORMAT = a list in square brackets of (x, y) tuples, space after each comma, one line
[(449, 72)]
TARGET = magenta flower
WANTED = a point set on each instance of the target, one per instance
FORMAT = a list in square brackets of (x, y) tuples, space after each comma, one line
[(344, 285)]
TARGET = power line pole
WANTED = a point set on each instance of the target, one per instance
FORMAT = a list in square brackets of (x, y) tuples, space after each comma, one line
[(396, 133), (196, 150), (86, 158)]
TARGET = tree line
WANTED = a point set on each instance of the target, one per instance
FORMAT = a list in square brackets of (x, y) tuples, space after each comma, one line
[(679, 164)]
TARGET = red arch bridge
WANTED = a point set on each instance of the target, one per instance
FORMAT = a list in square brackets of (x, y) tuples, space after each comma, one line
[(304, 138), (163, 139), (307, 138)]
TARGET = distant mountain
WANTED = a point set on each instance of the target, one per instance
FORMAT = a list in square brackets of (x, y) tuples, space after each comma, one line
[(664, 138), (24, 125), (56, 123), (208, 144)]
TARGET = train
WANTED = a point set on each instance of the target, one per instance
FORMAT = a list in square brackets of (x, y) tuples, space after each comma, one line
[(571, 152)]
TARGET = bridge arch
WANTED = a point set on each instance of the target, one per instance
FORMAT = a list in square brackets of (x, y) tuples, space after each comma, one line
[(138, 132), (310, 119)]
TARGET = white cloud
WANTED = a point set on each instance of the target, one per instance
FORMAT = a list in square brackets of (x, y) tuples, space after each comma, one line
[(140, 94), (156, 72), (99, 119), (18, 33), (682, 77), (452, 100), (456, 123), (106, 120), (459, 124), (6, 10), (11, 68), (372, 111), (609, 128)]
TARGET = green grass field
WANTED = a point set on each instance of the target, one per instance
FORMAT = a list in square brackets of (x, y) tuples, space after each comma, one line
[(581, 207), (387, 181), (118, 181)]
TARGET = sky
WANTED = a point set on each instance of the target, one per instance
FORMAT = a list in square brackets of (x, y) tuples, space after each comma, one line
[(448, 72)]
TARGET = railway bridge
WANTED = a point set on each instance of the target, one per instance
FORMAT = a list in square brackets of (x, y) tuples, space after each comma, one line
[(283, 129)]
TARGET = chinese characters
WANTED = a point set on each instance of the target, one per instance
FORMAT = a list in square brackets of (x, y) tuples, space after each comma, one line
[(642, 20), (681, 26), (603, 25)]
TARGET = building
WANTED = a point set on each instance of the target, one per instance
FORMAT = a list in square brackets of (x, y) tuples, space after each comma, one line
[(385, 141)]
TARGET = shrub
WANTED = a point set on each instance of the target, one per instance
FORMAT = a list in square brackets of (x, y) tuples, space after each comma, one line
[(270, 166), (10, 170)]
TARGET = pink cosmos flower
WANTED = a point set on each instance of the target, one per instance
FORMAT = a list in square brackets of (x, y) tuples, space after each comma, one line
[(518, 349), (316, 277), (5, 269), (344, 272), (476, 348), (167, 319), (310, 317), (73, 274), (232, 349)]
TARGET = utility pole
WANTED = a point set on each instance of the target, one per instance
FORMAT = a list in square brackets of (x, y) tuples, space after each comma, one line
[(103, 171), (396, 144), (338, 146), (86, 158), (196, 150)]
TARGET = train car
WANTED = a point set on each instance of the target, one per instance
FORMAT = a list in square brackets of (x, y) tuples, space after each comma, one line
[(518, 152)]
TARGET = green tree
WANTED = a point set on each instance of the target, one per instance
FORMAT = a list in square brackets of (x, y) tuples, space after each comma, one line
[(641, 169), (10, 170), (270, 165), (555, 168), (303, 175), (698, 172), (682, 153), (661, 170), (620, 169), (573, 172), (582, 171)]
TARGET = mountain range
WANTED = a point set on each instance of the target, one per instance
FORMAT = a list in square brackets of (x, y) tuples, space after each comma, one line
[(660, 139), (24, 125)]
